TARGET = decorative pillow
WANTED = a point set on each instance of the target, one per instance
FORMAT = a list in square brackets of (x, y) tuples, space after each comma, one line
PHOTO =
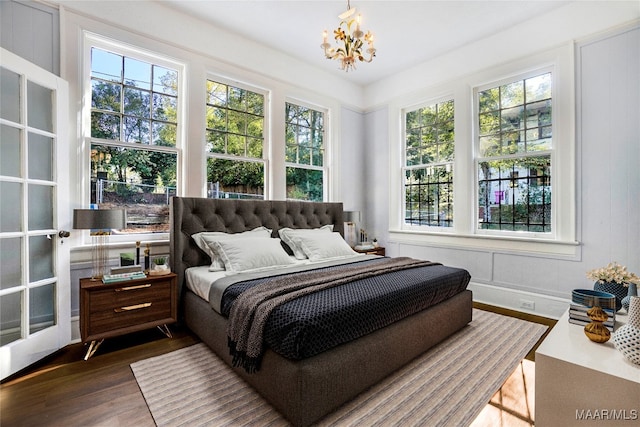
[(326, 245), (251, 253), (205, 238), (289, 235)]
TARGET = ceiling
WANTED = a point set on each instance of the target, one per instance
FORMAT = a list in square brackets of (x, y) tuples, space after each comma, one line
[(406, 32)]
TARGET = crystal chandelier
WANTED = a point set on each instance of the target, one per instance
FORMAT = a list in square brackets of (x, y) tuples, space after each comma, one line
[(350, 44)]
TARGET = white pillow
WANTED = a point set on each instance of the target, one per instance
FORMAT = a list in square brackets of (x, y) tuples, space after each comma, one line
[(251, 253), (322, 246), (289, 236), (205, 238)]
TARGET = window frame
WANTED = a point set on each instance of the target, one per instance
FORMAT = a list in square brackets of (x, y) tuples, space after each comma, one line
[(266, 132), (325, 146), (405, 167), (551, 152), (91, 40), (463, 236)]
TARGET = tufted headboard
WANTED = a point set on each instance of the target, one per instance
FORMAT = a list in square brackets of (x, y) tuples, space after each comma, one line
[(191, 215)]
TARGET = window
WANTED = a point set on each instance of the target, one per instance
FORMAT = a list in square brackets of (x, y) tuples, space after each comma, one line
[(514, 155), (304, 155), (235, 142), (134, 141), (428, 171)]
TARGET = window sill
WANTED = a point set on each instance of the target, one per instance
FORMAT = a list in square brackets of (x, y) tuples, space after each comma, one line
[(490, 243)]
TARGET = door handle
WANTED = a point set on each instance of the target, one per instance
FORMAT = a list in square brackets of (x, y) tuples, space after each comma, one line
[(63, 233)]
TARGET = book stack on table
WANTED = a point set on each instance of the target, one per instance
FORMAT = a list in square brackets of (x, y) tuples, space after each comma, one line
[(578, 316)]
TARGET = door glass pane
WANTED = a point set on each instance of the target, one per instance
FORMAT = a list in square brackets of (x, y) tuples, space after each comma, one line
[(10, 213), (9, 150), (10, 326), (41, 307), (11, 261), (40, 157), (10, 99), (40, 207), (40, 257), (39, 107)]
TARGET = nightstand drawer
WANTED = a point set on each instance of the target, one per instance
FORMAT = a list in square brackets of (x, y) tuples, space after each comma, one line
[(373, 251), (130, 314), (127, 295)]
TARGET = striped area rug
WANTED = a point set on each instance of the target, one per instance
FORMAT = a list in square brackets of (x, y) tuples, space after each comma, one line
[(447, 386)]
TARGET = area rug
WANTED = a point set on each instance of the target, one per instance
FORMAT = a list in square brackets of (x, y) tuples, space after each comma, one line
[(447, 386)]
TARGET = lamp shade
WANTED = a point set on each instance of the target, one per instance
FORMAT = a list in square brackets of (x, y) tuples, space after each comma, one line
[(351, 216), (99, 219)]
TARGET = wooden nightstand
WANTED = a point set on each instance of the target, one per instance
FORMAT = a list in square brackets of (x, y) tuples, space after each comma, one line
[(375, 251), (109, 310)]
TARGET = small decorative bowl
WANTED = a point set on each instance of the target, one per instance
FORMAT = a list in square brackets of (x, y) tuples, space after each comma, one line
[(592, 298)]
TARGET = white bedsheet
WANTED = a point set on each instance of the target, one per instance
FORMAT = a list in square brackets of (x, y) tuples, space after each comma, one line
[(200, 279)]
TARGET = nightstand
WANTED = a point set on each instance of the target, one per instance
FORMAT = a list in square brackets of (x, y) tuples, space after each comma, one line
[(112, 309), (374, 251)]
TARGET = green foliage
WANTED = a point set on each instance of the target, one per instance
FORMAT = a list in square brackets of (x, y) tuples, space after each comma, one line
[(145, 166), (430, 134), (231, 173), (304, 184)]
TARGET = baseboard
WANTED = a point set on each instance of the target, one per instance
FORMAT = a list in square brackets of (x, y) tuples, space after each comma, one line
[(513, 299), (75, 330)]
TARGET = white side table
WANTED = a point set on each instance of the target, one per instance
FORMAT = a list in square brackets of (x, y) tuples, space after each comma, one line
[(583, 383)]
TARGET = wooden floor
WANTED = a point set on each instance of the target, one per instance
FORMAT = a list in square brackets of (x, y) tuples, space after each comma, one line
[(64, 390)]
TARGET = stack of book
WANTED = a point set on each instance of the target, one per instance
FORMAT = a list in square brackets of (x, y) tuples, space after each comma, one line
[(110, 278), (578, 316)]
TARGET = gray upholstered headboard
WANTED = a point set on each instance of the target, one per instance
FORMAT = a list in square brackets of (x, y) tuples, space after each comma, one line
[(191, 215)]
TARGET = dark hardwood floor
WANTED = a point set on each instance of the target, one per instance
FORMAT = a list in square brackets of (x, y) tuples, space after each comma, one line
[(64, 390)]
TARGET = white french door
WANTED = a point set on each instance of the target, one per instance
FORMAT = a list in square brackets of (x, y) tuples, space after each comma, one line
[(34, 206)]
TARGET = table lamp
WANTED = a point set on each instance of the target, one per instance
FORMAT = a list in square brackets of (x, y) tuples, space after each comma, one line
[(100, 222)]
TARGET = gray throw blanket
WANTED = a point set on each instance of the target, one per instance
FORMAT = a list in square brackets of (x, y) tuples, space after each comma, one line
[(251, 309)]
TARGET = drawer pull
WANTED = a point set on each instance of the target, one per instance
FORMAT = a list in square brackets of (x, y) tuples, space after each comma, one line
[(131, 288), (132, 307)]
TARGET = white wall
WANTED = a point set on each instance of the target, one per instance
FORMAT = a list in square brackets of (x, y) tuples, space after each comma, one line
[(352, 160), (607, 133), (608, 188)]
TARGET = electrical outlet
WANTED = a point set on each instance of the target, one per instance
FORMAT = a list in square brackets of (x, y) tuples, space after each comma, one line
[(526, 304)]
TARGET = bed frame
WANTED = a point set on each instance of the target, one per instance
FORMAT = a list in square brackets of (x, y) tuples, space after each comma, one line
[(302, 390)]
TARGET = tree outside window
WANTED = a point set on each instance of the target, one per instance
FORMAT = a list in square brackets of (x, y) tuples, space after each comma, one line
[(428, 171), (235, 142), (134, 121), (514, 162), (304, 156)]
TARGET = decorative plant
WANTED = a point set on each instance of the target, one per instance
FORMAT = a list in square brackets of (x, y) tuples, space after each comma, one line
[(160, 260), (613, 273)]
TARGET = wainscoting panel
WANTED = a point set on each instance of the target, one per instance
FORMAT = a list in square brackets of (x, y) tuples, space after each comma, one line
[(478, 263)]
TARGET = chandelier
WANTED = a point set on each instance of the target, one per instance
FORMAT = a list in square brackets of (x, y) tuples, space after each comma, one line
[(350, 44)]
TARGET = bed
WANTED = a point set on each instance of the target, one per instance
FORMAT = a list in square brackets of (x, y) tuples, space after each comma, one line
[(308, 388)]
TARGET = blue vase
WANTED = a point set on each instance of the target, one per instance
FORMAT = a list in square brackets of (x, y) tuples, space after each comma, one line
[(613, 288), (632, 292)]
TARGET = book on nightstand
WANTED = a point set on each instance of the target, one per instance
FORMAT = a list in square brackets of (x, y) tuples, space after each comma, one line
[(578, 316), (110, 278)]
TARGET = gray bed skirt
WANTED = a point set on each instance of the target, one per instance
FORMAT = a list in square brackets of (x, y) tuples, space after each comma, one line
[(306, 390)]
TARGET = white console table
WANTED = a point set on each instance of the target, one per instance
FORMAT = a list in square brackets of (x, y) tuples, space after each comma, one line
[(583, 383)]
